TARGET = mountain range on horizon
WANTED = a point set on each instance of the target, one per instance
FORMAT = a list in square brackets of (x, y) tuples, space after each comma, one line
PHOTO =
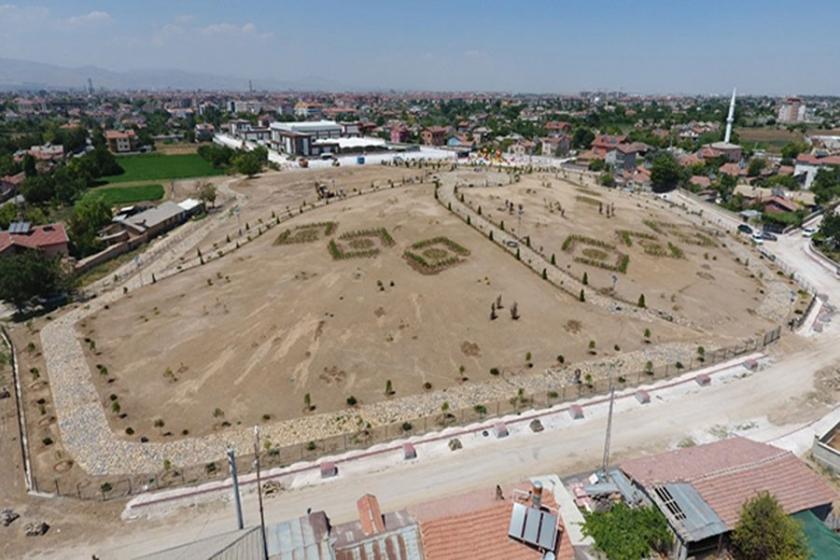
[(21, 75)]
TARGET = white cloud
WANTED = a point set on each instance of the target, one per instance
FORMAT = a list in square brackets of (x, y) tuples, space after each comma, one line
[(228, 28), (91, 18)]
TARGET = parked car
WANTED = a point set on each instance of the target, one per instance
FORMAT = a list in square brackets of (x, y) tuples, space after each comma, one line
[(744, 228), (757, 238), (808, 231), (767, 236)]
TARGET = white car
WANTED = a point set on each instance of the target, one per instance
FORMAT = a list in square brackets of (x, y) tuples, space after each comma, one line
[(757, 238), (808, 231)]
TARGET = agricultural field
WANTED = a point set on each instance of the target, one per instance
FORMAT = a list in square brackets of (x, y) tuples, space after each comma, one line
[(631, 246), (332, 305), (115, 196), (160, 167), (768, 138)]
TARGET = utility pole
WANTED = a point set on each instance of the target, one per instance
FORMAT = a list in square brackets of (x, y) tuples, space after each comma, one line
[(609, 429), (259, 490), (231, 456)]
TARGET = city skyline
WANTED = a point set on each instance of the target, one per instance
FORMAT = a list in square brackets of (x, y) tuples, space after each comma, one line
[(651, 47)]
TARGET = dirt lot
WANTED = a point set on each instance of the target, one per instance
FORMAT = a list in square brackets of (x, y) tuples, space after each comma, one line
[(245, 338), (678, 267)]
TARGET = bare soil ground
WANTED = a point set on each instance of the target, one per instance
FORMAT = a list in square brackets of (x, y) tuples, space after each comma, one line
[(64, 516), (692, 275), (243, 339), (177, 148)]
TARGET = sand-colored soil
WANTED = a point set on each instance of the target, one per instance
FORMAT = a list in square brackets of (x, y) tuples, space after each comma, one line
[(251, 334), (705, 285)]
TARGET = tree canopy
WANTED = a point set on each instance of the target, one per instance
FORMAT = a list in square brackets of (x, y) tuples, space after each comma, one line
[(666, 173), (625, 533), (248, 163), (766, 532), (826, 184), (90, 214), (28, 275)]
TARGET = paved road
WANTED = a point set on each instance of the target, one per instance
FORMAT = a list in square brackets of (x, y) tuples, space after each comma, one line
[(778, 389)]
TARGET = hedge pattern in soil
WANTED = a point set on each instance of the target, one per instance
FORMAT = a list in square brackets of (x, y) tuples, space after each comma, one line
[(360, 243), (435, 255), (612, 258), (306, 233)]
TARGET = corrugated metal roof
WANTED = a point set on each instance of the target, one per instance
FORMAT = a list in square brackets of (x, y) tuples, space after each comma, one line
[(234, 545), (698, 521), (304, 538), (399, 544)]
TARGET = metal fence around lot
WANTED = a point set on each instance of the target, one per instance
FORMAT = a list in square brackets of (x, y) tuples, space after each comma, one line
[(478, 417)]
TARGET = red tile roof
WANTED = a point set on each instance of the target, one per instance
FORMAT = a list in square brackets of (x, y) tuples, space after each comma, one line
[(809, 159), (476, 526), (605, 141), (700, 181), (115, 134), (782, 203), (729, 472), (40, 237), (731, 169)]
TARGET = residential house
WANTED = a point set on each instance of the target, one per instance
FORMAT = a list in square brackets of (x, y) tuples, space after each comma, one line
[(434, 135), (557, 128), (121, 141), (47, 152), (204, 132), (481, 134), (807, 166), (251, 106), (50, 239), (521, 148), (459, 141), (557, 145), (10, 185), (603, 143), (700, 181), (486, 524), (759, 195), (399, 134), (622, 157), (152, 222), (308, 110), (779, 205), (702, 489), (733, 170)]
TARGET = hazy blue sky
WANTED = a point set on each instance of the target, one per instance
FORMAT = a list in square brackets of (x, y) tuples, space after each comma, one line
[(770, 46)]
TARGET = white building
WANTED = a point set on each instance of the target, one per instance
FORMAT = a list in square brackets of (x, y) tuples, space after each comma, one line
[(244, 106), (792, 111), (297, 138)]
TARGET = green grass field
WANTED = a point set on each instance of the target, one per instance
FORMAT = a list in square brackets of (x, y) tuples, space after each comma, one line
[(159, 167), (115, 196)]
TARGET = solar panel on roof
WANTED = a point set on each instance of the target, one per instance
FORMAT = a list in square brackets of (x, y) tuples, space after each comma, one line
[(548, 531), (517, 521), (19, 227), (532, 526)]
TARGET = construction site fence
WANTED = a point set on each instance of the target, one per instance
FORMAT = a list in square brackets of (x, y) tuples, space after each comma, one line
[(477, 417)]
